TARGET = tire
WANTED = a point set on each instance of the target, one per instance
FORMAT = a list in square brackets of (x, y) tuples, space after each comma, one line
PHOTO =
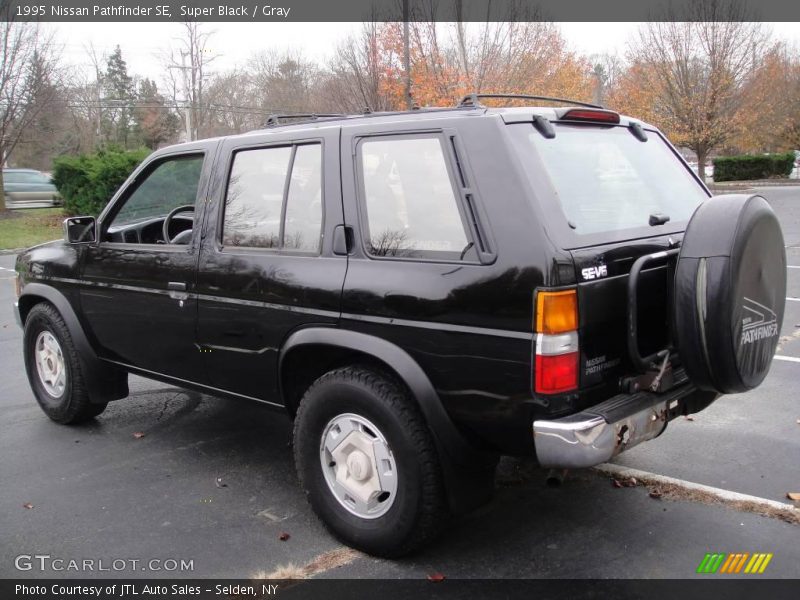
[(65, 400), (413, 512), (730, 290)]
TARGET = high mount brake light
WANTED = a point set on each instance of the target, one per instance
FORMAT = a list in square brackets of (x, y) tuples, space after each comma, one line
[(557, 352), (596, 116)]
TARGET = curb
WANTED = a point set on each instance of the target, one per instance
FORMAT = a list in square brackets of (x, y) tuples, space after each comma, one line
[(754, 184), (11, 251), (724, 496)]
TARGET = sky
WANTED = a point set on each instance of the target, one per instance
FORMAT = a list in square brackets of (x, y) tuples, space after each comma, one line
[(141, 43)]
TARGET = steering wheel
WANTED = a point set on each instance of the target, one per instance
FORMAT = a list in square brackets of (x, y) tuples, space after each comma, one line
[(168, 222)]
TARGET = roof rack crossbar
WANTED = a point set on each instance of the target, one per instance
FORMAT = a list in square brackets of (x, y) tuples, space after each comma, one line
[(474, 99), (273, 120)]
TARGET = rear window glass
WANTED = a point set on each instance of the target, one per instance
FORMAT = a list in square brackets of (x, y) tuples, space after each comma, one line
[(606, 180), (25, 177)]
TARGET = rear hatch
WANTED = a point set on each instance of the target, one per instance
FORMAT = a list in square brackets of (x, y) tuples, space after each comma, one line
[(610, 191)]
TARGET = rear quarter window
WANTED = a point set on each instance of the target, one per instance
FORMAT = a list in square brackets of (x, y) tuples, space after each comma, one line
[(411, 207)]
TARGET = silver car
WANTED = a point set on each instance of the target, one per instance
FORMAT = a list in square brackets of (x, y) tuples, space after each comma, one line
[(28, 188)]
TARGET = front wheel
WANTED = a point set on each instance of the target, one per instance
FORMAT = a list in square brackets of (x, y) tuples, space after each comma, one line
[(368, 463), (54, 369)]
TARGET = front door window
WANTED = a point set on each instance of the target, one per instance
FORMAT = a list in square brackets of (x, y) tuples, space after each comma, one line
[(160, 209)]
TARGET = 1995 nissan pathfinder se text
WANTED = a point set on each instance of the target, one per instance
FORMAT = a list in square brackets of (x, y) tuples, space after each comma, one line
[(421, 291)]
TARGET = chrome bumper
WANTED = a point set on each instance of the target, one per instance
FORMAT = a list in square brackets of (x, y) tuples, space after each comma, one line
[(597, 434)]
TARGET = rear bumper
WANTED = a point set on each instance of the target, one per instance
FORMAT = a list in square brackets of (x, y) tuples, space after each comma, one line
[(599, 433)]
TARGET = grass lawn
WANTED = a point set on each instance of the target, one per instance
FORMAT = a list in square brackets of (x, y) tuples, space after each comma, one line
[(30, 226)]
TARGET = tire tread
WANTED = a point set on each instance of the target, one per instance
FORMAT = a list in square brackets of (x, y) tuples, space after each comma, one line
[(79, 406), (433, 512)]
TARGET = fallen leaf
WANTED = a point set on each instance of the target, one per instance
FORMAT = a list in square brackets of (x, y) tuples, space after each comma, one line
[(436, 577), (616, 483), (793, 496), (284, 536), (655, 494), (27, 505), (689, 418), (139, 435), (219, 483), (630, 482)]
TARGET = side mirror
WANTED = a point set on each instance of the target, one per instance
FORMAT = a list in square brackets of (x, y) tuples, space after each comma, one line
[(80, 230)]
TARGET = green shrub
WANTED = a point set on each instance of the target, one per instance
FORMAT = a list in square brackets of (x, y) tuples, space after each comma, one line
[(87, 182), (753, 166)]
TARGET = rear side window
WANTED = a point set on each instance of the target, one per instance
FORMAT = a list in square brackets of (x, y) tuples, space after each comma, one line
[(274, 199), (607, 181), (303, 222), (411, 207)]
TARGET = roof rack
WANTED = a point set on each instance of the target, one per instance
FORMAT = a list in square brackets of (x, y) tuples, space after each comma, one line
[(276, 119), (473, 100)]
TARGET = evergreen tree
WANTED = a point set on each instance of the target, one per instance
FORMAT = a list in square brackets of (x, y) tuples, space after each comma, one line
[(117, 121)]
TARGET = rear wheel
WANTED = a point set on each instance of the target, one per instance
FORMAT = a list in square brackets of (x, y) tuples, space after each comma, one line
[(54, 369), (368, 464)]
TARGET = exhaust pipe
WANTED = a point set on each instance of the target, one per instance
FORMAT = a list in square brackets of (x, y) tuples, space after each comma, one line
[(555, 477)]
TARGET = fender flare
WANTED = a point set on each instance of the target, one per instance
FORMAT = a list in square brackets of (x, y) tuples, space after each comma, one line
[(403, 365), (105, 382), (468, 471)]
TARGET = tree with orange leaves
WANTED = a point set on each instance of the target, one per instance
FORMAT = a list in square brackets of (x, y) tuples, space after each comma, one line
[(689, 74), (448, 61)]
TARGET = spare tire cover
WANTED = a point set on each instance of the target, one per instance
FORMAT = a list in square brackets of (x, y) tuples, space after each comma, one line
[(730, 292)]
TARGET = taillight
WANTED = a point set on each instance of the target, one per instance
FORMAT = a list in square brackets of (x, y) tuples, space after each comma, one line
[(556, 324), (556, 312), (589, 114)]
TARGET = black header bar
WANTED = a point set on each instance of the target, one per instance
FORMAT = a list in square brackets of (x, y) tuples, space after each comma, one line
[(393, 10)]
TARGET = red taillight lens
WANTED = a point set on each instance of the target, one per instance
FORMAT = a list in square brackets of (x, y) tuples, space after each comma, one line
[(556, 374), (584, 114)]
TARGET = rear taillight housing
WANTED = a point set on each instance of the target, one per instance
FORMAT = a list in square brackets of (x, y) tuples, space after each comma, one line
[(556, 354)]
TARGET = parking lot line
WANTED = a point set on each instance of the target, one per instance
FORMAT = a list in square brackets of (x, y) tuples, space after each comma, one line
[(787, 358), (793, 299)]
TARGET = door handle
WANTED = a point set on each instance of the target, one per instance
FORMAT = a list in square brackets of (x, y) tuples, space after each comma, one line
[(176, 286), (342, 240)]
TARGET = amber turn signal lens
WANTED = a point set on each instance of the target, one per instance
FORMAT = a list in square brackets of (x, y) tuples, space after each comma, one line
[(556, 312)]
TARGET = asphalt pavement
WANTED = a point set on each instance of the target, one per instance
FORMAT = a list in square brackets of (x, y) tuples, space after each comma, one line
[(211, 481)]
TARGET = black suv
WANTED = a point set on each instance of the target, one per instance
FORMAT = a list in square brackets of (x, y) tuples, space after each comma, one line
[(421, 291)]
